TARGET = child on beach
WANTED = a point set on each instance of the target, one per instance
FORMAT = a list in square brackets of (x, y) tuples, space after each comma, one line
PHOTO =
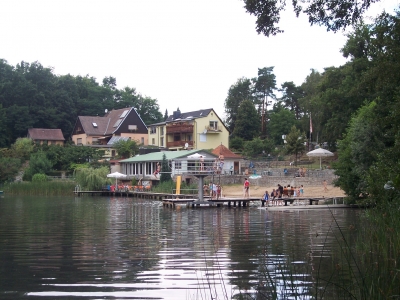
[(265, 198)]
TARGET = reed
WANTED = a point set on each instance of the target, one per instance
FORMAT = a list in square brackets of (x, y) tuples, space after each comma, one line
[(361, 268), (47, 188)]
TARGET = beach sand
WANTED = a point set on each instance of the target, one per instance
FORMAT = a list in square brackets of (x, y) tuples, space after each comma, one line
[(258, 191)]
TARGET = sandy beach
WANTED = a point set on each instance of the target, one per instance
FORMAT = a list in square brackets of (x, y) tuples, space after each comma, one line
[(258, 191)]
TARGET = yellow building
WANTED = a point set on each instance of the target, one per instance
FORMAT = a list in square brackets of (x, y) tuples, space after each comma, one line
[(201, 129)]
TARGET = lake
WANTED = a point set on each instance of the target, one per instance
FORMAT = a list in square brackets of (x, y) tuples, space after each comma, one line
[(130, 248)]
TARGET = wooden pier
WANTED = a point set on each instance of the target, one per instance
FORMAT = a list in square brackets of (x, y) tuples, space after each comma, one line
[(207, 201), (190, 200)]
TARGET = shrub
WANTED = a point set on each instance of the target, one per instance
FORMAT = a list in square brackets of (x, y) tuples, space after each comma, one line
[(39, 177)]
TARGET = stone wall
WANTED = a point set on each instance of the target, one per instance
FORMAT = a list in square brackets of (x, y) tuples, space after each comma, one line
[(312, 178)]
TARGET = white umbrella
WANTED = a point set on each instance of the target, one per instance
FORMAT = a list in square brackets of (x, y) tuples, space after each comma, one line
[(320, 152), (196, 155), (116, 175)]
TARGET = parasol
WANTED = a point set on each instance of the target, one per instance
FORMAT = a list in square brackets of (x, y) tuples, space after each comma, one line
[(320, 152)]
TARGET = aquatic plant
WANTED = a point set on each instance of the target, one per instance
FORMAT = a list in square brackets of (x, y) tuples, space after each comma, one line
[(40, 188)]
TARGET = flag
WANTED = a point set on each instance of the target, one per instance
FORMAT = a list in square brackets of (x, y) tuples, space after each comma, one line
[(310, 124)]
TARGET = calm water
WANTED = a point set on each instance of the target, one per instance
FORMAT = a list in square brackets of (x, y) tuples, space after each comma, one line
[(127, 248)]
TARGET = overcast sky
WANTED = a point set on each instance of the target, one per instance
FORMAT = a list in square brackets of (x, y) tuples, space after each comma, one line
[(184, 53)]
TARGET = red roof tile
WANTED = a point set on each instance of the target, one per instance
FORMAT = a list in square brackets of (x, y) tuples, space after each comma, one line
[(221, 149), (46, 134)]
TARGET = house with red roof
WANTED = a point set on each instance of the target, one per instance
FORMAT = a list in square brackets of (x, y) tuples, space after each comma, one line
[(232, 161), (45, 136)]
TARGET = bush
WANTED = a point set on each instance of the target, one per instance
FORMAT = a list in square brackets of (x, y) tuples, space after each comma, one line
[(39, 178)]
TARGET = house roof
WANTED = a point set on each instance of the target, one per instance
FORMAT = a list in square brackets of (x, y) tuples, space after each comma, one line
[(45, 134), (103, 125), (186, 116), (158, 156), (107, 124), (191, 114), (221, 149)]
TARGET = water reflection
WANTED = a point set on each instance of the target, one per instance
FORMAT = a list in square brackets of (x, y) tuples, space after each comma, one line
[(128, 248)]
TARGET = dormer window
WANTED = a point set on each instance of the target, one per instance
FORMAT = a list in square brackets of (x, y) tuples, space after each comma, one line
[(94, 125)]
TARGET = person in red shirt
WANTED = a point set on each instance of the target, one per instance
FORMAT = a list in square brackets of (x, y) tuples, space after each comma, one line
[(246, 186)]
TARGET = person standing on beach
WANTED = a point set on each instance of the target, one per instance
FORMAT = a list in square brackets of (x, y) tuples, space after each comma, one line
[(265, 198), (246, 186), (325, 184), (273, 196)]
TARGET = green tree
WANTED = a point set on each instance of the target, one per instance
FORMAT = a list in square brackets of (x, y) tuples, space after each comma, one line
[(264, 86), (166, 115), (165, 170), (22, 148), (290, 97), (248, 122), (91, 179), (295, 142), (149, 110), (280, 123), (38, 164), (333, 15), (258, 147), (358, 151), (126, 149), (9, 168), (236, 143), (238, 92)]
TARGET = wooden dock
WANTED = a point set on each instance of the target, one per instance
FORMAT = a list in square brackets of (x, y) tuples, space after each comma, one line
[(192, 202), (308, 203), (171, 200)]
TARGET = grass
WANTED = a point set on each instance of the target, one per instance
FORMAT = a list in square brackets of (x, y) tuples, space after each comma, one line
[(47, 188)]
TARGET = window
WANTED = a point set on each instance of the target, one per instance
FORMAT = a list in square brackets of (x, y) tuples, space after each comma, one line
[(203, 137), (153, 141), (162, 142), (214, 125), (142, 140), (162, 130), (123, 114), (53, 142), (132, 128), (178, 165), (117, 123), (79, 141), (94, 124), (153, 129)]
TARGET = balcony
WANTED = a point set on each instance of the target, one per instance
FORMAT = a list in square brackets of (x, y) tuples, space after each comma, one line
[(213, 129), (179, 128), (176, 144)]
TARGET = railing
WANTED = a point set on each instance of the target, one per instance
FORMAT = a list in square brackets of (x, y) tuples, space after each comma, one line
[(60, 178), (179, 144), (180, 128), (187, 191), (213, 129)]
